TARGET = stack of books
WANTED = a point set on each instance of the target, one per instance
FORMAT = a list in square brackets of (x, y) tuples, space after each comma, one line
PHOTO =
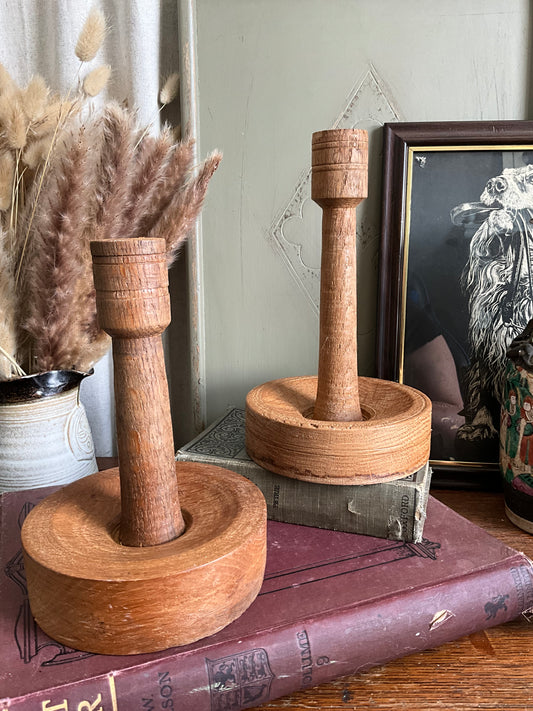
[(332, 603)]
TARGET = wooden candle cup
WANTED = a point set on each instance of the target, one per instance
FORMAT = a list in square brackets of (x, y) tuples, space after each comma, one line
[(154, 553), (338, 428)]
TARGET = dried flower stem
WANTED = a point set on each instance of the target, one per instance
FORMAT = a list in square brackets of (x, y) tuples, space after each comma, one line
[(15, 366), (8, 310), (36, 199)]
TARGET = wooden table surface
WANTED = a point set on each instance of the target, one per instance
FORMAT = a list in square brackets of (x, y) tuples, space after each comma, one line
[(487, 670)]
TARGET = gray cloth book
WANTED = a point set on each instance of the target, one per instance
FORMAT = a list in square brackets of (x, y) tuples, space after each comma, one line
[(395, 510)]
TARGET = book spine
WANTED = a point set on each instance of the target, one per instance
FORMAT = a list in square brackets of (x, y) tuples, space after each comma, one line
[(395, 510), (253, 670)]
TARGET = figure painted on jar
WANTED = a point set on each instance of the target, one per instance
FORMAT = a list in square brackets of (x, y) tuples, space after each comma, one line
[(526, 445), (512, 424)]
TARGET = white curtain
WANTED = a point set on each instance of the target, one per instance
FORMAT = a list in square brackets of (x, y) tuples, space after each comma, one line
[(38, 37)]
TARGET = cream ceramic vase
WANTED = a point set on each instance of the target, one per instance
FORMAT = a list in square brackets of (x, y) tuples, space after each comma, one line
[(45, 437)]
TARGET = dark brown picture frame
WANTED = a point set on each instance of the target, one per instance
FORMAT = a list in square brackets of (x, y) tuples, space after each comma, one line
[(465, 145)]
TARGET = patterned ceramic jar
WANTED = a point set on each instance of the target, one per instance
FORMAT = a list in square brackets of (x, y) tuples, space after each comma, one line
[(516, 432), (45, 437)]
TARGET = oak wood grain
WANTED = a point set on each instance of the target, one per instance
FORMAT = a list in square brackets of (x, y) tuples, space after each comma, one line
[(391, 442), (339, 181), (91, 593), (131, 282), (117, 562), (338, 428)]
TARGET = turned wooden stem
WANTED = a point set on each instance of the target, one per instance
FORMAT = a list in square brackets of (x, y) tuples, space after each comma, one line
[(131, 282), (339, 181)]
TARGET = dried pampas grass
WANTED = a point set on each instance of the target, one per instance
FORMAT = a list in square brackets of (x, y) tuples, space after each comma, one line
[(53, 263), (177, 220), (172, 171), (68, 177), (105, 183), (149, 177), (114, 175)]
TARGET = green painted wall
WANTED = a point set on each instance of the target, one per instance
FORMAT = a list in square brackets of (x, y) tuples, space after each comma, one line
[(270, 72)]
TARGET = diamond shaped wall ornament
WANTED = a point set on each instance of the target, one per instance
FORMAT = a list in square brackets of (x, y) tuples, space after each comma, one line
[(296, 233)]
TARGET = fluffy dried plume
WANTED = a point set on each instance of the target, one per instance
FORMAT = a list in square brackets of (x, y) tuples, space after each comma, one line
[(96, 80), (170, 89), (114, 172), (56, 112), (36, 152), (168, 165), (65, 180), (178, 219), (53, 263), (13, 122), (91, 36), (34, 98), (148, 176)]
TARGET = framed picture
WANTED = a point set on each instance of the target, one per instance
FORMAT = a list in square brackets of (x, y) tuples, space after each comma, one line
[(456, 277)]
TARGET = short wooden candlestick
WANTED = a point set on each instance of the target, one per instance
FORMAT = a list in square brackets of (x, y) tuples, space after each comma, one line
[(338, 428), (121, 562)]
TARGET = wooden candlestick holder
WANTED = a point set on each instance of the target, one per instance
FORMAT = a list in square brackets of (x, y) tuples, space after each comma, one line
[(119, 562), (338, 428)]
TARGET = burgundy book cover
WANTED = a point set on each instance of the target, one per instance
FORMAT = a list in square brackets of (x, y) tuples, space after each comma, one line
[(331, 604)]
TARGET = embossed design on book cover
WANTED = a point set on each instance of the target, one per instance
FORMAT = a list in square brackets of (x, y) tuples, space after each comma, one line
[(29, 638), (239, 680)]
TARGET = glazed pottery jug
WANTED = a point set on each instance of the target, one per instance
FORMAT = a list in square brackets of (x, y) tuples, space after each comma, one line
[(45, 437)]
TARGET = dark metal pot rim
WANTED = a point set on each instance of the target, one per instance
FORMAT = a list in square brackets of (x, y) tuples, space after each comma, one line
[(40, 385)]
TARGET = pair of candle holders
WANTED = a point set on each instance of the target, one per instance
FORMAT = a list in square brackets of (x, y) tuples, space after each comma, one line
[(157, 553)]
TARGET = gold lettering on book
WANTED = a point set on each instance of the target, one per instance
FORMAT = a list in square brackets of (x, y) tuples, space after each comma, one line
[(95, 705), (87, 706), (58, 707)]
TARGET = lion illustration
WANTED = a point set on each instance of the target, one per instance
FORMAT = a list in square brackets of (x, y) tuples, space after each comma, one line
[(498, 282)]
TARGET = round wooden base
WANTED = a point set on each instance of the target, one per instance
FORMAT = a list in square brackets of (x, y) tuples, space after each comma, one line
[(391, 442), (91, 593)]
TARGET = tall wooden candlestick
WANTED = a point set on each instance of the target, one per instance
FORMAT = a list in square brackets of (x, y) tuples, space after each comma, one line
[(338, 184), (131, 282), (118, 563), (338, 428)]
